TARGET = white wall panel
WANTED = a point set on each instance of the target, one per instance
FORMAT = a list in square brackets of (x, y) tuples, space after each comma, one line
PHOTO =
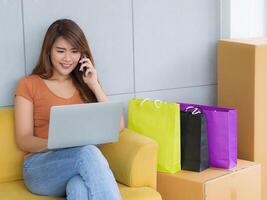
[(124, 98), (12, 65), (175, 43), (200, 95)]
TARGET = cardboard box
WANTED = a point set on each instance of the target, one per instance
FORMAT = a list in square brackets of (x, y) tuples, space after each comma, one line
[(240, 183), (242, 84)]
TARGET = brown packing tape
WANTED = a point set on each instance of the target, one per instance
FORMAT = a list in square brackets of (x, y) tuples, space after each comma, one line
[(233, 195), (233, 184)]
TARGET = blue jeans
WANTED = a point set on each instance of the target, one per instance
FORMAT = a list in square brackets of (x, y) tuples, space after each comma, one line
[(77, 173)]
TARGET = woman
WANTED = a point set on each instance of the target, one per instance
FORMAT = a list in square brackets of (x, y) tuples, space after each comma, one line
[(64, 74)]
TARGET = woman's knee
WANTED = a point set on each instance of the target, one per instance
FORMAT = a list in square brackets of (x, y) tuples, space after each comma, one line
[(76, 188), (92, 154), (90, 148)]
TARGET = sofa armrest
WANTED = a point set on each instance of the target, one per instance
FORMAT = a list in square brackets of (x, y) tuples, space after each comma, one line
[(133, 159)]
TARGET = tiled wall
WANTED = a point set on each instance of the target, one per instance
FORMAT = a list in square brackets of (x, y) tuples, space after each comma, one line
[(162, 49)]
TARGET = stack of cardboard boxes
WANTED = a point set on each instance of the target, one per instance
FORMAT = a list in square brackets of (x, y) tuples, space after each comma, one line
[(242, 84)]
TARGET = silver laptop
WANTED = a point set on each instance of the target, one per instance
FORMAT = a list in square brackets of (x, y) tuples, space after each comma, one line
[(82, 124)]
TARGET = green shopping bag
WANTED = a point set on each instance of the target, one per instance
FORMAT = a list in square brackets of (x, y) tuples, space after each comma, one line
[(161, 122)]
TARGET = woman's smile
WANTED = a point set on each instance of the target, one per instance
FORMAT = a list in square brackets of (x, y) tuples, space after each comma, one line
[(66, 66)]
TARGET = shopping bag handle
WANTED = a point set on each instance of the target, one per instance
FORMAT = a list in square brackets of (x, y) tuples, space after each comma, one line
[(195, 110), (155, 102)]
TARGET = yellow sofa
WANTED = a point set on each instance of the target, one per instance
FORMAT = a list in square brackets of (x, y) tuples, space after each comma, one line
[(132, 160)]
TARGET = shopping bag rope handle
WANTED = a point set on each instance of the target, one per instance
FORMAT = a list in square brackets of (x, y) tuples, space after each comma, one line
[(195, 110), (155, 102)]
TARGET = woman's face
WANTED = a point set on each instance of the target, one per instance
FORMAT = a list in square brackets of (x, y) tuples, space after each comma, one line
[(64, 57)]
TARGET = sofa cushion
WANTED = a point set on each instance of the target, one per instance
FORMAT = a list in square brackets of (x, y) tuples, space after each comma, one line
[(138, 193), (17, 190), (133, 159), (11, 157)]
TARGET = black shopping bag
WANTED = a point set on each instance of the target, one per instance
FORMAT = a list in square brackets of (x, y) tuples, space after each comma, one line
[(194, 140)]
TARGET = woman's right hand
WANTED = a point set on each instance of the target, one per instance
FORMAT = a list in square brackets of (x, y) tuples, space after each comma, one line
[(90, 77)]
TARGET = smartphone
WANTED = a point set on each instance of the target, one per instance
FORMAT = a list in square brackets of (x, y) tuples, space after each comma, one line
[(83, 71)]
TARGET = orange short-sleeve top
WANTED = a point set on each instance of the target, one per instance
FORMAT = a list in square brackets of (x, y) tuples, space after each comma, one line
[(34, 89)]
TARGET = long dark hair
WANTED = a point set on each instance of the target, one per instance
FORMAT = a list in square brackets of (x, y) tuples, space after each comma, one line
[(70, 31)]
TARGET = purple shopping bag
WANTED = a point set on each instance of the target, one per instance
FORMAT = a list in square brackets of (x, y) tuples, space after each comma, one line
[(222, 134)]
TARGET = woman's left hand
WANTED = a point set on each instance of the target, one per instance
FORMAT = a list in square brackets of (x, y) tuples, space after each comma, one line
[(90, 77)]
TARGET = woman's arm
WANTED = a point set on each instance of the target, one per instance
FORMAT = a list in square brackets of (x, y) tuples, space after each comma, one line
[(24, 127), (91, 80), (101, 97)]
